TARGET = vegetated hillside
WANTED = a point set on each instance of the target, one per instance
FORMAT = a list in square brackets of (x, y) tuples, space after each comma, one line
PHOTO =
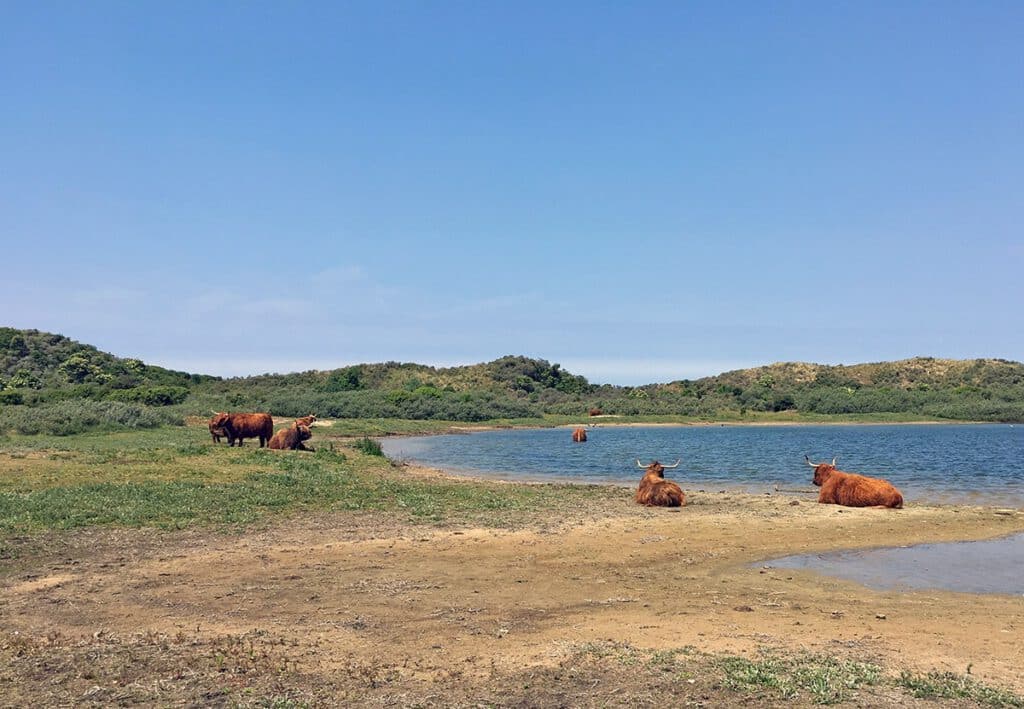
[(509, 387), (976, 389), (51, 383), (39, 366)]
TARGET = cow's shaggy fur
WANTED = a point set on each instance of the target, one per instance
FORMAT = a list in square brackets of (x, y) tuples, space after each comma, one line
[(852, 490), (216, 431), (238, 427), (656, 491), (579, 435), (291, 438)]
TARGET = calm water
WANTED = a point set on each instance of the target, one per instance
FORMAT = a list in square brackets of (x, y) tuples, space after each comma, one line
[(969, 464), (971, 567)]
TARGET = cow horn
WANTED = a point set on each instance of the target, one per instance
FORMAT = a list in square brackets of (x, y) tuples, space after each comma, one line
[(808, 459), (834, 461), (675, 465), (639, 464)]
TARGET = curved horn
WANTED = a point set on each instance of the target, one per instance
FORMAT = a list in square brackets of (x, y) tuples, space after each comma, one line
[(640, 465), (674, 465), (808, 459), (834, 461)]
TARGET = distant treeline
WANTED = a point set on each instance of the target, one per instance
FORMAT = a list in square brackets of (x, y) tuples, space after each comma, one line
[(49, 383)]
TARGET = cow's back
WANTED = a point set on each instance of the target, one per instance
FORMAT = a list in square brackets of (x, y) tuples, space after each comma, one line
[(252, 424), (852, 490), (658, 492), (242, 426)]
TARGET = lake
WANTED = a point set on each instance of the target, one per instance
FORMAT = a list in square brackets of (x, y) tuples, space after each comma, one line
[(963, 463), (992, 566)]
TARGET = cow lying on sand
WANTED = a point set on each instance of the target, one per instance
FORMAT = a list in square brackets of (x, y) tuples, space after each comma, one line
[(579, 435), (655, 490), (852, 490), (238, 427), (291, 438)]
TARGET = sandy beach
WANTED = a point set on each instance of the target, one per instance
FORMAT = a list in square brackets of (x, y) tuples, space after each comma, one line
[(420, 602)]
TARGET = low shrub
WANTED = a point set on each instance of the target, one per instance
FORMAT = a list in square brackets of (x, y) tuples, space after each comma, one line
[(151, 396), (368, 446), (65, 418)]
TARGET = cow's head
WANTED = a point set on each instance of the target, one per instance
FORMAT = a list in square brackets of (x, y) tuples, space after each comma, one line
[(304, 433), (656, 468), (822, 471), (218, 420)]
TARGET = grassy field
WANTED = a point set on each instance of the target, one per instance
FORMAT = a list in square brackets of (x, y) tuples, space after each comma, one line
[(174, 477)]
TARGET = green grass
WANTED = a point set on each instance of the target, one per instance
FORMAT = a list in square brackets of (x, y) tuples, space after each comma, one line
[(173, 478), (949, 685), (826, 679), (798, 677)]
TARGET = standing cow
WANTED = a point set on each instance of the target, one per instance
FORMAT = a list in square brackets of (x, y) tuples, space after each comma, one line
[(579, 435), (215, 430), (852, 490), (238, 427)]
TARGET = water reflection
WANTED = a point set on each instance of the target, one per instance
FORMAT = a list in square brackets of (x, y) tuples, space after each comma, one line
[(971, 567)]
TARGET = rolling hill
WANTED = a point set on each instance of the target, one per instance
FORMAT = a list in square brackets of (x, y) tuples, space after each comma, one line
[(39, 370)]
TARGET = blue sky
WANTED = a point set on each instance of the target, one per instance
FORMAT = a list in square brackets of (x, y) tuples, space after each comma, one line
[(638, 191)]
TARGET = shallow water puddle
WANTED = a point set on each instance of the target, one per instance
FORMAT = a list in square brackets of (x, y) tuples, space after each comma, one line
[(995, 566)]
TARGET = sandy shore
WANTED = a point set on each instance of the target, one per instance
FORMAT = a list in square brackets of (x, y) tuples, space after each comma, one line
[(424, 599)]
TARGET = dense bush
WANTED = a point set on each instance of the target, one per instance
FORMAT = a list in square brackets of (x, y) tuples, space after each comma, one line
[(75, 416), (11, 397), (151, 396), (347, 379)]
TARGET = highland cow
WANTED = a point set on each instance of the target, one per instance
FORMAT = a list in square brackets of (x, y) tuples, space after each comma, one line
[(238, 427), (306, 420), (852, 490), (216, 431), (291, 438), (655, 490), (579, 435)]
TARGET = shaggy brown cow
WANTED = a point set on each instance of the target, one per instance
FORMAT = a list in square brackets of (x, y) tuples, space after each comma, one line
[(216, 431), (238, 427), (306, 420), (291, 438), (595, 412), (852, 490), (579, 435), (655, 490)]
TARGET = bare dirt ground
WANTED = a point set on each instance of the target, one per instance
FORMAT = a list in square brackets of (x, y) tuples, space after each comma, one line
[(370, 609)]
